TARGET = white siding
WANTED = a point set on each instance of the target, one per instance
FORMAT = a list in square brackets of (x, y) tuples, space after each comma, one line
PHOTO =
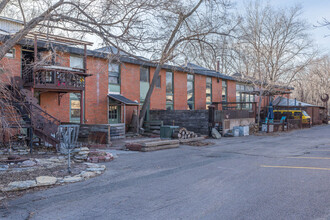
[(9, 26)]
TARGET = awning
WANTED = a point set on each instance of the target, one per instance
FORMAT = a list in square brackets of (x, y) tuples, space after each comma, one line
[(122, 99)]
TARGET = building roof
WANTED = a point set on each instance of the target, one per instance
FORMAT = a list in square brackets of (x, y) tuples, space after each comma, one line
[(11, 19), (122, 99), (250, 80), (104, 53), (282, 101)]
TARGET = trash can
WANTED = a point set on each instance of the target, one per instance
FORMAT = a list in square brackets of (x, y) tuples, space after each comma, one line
[(166, 131)]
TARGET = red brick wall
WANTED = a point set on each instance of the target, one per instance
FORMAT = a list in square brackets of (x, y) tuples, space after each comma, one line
[(63, 58), (200, 92), (49, 103), (180, 91), (231, 91), (158, 97), (12, 66), (130, 86), (96, 91)]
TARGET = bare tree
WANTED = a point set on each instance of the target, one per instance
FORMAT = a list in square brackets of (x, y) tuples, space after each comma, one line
[(178, 25), (314, 82), (273, 46)]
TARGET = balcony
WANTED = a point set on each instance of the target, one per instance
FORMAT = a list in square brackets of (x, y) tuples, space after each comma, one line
[(55, 78)]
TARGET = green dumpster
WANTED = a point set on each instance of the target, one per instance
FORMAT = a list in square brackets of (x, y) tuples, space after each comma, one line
[(166, 131)]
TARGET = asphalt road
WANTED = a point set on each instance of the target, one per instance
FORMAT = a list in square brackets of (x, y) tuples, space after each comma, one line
[(255, 177)]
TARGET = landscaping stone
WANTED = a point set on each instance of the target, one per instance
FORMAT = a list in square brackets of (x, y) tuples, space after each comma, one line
[(84, 149), (99, 156), (20, 185), (95, 169), (46, 180), (28, 163), (80, 154), (87, 174), (72, 179), (215, 134), (92, 165), (4, 167)]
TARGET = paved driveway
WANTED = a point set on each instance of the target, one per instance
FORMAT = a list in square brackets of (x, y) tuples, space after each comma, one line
[(264, 177)]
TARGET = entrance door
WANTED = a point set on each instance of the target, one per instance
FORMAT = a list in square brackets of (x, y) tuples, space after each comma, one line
[(114, 114)]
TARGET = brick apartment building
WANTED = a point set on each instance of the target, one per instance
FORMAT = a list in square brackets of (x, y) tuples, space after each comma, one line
[(104, 86)]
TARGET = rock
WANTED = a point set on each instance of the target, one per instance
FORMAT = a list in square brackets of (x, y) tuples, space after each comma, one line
[(93, 159), (84, 149), (61, 158), (59, 180), (28, 163), (93, 169), (4, 167), (19, 185), (92, 165), (107, 159), (72, 179), (215, 134), (55, 160), (87, 174), (46, 180)]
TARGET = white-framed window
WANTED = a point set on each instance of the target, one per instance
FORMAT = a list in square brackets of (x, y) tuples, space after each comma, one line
[(10, 53), (243, 95), (190, 92), (144, 74), (169, 91), (114, 73), (76, 62)]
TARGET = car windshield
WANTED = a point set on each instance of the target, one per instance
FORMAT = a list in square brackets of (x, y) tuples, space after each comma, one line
[(305, 113)]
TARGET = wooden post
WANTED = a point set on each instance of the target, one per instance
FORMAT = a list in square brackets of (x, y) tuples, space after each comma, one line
[(137, 121), (267, 126), (125, 116), (35, 59), (301, 122), (109, 137), (211, 119), (85, 58), (81, 108)]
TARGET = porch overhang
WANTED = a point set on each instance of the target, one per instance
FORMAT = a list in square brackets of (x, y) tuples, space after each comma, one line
[(123, 100)]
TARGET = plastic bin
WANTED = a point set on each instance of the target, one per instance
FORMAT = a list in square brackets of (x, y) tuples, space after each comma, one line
[(166, 131)]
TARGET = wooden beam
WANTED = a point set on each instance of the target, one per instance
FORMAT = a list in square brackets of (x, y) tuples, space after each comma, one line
[(81, 108)]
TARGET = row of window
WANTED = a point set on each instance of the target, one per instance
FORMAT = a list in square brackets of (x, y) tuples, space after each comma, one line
[(114, 86), (243, 95)]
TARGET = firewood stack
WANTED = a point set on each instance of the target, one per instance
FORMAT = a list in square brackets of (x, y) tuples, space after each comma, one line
[(254, 128), (183, 133)]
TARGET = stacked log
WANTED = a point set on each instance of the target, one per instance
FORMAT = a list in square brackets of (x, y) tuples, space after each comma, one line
[(183, 133), (254, 128)]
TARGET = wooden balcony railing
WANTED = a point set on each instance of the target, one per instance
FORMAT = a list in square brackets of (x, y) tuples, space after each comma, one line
[(55, 78)]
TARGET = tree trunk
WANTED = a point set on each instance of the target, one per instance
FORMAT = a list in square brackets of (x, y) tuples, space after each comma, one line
[(149, 93), (3, 4), (259, 106)]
